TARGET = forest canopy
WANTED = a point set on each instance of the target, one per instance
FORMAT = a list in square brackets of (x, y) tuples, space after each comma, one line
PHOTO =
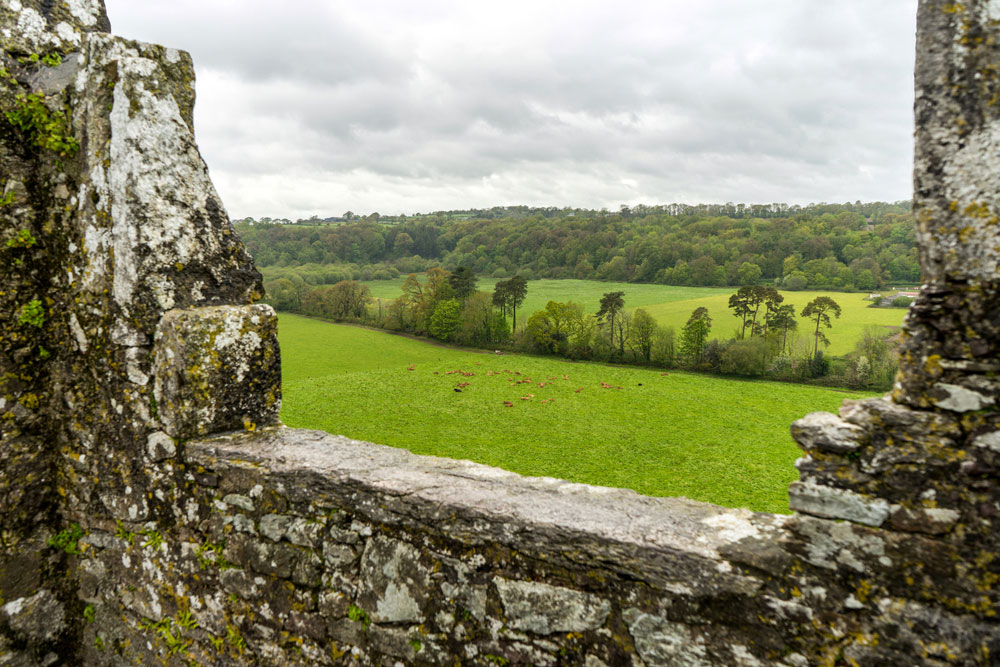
[(823, 246)]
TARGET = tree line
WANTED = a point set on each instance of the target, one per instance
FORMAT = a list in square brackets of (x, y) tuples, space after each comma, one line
[(447, 305), (830, 246)]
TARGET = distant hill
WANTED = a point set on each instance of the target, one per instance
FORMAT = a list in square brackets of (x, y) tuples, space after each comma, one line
[(822, 246)]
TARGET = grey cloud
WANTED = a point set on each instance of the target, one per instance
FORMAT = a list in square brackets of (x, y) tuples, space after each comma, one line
[(737, 100)]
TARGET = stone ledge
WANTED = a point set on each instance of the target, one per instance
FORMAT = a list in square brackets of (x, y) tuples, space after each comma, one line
[(673, 542)]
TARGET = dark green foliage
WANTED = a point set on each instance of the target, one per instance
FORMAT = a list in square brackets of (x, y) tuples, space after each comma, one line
[(509, 294), (819, 365), (612, 304), (644, 331), (746, 305), (828, 246), (772, 311), (749, 357), (481, 324), (783, 321), (463, 281), (874, 362), (550, 329)]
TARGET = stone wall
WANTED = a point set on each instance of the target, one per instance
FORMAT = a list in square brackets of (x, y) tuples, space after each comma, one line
[(153, 510)]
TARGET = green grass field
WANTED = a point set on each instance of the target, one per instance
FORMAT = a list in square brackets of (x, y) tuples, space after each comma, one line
[(847, 329), (677, 434), (585, 292), (672, 306)]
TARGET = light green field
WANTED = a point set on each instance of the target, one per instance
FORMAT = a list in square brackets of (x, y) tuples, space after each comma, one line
[(677, 434), (588, 293), (855, 316), (672, 306)]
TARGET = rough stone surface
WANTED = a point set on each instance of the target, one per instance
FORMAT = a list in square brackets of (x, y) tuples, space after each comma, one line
[(544, 609), (394, 582), (215, 369), (152, 511), (952, 332), (160, 446), (832, 503), (661, 642), (35, 26), (38, 618), (822, 430)]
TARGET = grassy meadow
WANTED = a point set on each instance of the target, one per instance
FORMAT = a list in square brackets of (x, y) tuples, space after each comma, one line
[(662, 434), (672, 306)]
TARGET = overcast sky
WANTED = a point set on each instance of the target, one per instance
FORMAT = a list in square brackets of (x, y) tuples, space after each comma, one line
[(404, 106)]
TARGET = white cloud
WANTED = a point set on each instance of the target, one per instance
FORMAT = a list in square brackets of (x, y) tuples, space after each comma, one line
[(398, 106)]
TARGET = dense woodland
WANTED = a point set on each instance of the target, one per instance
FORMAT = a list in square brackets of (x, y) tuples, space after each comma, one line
[(825, 246)]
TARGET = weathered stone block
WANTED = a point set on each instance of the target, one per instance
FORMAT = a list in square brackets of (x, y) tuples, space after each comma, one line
[(394, 583), (929, 520), (822, 430), (957, 398), (338, 555), (273, 526), (37, 26), (240, 583), (544, 609), (238, 500), (662, 642), (333, 605), (217, 369), (308, 625), (308, 570), (160, 446), (274, 559), (833, 503), (38, 618)]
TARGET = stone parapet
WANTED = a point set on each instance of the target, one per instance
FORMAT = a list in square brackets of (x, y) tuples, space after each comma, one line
[(152, 511)]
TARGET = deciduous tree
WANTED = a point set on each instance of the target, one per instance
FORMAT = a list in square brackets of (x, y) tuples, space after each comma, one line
[(445, 319), (695, 335), (644, 329), (349, 298), (749, 273), (481, 322), (551, 328)]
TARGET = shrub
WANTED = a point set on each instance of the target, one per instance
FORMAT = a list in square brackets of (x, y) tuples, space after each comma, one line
[(901, 302), (819, 365), (746, 357), (445, 319)]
